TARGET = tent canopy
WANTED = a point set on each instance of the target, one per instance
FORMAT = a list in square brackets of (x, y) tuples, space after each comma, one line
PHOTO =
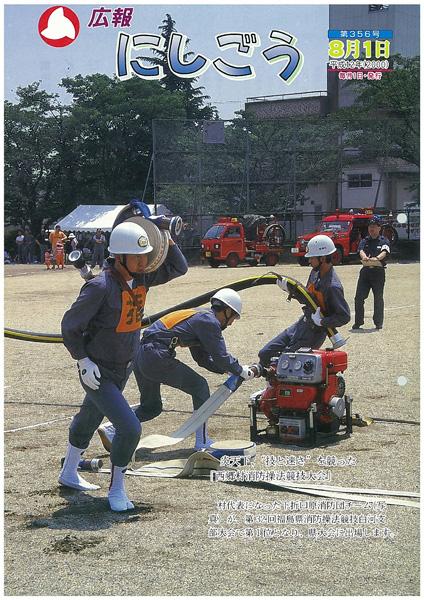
[(89, 217)]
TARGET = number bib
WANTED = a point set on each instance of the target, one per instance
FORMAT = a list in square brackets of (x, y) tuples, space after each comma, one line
[(130, 319)]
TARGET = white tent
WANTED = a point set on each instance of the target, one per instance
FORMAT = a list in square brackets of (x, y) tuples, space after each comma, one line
[(89, 217)]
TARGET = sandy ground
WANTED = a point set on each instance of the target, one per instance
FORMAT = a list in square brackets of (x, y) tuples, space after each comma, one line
[(63, 542)]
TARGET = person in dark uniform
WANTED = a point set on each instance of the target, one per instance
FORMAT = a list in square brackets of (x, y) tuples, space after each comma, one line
[(310, 330), (101, 331), (201, 331), (373, 251)]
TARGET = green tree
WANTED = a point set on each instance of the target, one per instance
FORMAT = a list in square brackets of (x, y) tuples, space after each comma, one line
[(31, 154), (194, 99), (396, 98), (113, 119), (383, 124), (95, 151)]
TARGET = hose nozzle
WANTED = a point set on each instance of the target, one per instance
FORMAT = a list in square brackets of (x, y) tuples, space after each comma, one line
[(258, 369), (76, 259)]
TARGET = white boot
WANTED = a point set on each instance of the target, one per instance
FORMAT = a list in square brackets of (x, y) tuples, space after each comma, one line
[(117, 495), (69, 475), (202, 439), (107, 433)]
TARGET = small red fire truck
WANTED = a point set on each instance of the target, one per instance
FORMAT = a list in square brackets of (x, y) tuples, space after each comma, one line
[(231, 241)]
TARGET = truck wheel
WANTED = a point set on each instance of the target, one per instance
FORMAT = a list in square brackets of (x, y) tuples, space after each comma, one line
[(213, 263), (337, 256), (303, 262), (271, 260), (232, 260)]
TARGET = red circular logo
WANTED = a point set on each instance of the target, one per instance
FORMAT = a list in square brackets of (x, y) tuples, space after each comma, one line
[(58, 26)]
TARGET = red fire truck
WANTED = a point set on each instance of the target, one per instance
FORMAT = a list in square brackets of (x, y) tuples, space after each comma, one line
[(346, 229), (230, 241)]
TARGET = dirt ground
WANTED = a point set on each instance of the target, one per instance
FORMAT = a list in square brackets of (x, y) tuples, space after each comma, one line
[(64, 542)]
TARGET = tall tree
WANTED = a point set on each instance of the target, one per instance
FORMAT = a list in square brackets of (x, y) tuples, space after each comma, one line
[(383, 124), (94, 151), (385, 118), (194, 99), (396, 97), (31, 154), (113, 119)]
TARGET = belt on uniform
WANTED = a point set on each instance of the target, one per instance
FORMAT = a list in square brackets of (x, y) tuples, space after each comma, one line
[(382, 267), (161, 343), (114, 365)]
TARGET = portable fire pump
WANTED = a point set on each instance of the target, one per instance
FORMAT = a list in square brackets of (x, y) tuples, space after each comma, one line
[(305, 396)]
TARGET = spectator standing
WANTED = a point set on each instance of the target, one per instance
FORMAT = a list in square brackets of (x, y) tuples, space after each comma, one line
[(187, 239), (42, 241), (19, 246), (56, 236), (99, 243), (28, 246), (69, 246), (60, 255), (80, 239), (73, 242)]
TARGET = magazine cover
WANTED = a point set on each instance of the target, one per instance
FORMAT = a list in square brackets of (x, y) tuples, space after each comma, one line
[(211, 262)]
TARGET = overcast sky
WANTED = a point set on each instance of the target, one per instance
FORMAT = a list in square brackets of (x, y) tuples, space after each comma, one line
[(28, 58)]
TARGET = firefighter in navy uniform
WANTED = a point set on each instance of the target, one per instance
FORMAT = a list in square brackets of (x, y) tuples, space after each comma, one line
[(101, 330), (201, 331), (310, 330), (373, 251)]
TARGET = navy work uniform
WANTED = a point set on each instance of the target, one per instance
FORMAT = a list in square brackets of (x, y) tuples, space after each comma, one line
[(371, 278), (156, 362), (104, 324), (328, 293)]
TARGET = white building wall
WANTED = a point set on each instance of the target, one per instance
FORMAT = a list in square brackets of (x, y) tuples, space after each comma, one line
[(361, 197), (402, 194)]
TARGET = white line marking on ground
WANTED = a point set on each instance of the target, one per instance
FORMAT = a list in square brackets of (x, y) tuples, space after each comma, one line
[(393, 308), (401, 307), (37, 425), (49, 422)]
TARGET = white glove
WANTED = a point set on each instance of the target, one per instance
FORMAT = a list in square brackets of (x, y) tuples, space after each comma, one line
[(317, 317), (89, 372), (282, 284), (247, 373)]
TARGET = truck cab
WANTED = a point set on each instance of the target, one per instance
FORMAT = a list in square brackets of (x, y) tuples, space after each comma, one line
[(224, 242)]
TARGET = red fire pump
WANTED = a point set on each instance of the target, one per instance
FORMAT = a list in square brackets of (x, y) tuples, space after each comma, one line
[(305, 396)]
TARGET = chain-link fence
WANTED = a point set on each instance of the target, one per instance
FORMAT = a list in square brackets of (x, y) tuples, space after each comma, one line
[(297, 169)]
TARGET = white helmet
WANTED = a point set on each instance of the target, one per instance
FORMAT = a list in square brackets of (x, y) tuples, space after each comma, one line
[(320, 245), (230, 298), (129, 238)]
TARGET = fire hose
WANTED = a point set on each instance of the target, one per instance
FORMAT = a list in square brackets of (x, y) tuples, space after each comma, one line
[(294, 289)]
